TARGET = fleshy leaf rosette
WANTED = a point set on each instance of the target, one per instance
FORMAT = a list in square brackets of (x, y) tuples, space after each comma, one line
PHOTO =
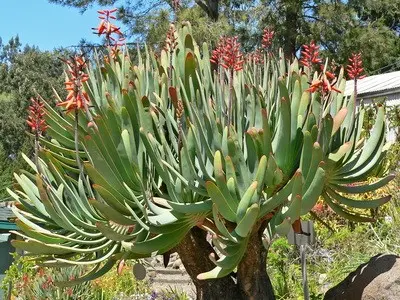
[(165, 159)]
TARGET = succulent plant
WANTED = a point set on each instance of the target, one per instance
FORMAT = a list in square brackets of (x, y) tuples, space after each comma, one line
[(176, 146)]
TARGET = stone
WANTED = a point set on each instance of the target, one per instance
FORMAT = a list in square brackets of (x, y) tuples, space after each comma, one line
[(322, 278), (378, 279), (177, 264), (154, 262)]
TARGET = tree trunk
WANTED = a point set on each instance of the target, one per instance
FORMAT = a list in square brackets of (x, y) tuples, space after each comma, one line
[(194, 251), (252, 279), (292, 15), (211, 8)]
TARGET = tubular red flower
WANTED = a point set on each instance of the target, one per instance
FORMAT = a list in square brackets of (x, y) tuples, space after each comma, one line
[(310, 55), (325, 83), (255, 57), (216, 55), (354, 68), (36, 113), (232, 57), (267, 38)]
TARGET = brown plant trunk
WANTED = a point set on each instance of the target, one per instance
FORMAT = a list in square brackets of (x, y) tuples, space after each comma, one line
[(252, 281), (194, 251)]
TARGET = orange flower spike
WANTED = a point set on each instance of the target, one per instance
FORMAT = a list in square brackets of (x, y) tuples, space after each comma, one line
[(35, 118), (73, 84), (106, 27), (330, 75), (101, 27)]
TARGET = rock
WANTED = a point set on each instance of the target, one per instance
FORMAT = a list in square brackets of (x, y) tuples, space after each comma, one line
[(322, 278), (378, 279), (154, 262), (177, 264)]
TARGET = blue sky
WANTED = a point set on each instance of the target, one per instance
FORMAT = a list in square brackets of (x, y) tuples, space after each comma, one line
[(46, 25)]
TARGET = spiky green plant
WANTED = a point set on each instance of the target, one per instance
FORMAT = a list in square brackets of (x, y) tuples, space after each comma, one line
[(162, 167)]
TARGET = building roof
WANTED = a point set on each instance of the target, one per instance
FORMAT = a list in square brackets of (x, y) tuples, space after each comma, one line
[(5, 213), (376, 85)]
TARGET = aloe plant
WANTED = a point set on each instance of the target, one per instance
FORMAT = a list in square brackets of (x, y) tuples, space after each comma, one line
[(182, 156)]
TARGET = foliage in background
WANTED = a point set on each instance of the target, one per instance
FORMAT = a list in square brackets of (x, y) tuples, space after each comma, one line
[(12, 125), (9, 164), (336, 253), (367, 26), (23, 70), (113, 284), (30, 283), (152, 31)]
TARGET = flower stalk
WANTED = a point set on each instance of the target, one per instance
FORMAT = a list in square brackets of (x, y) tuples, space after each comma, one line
[(77, 99), (354, 71), (106, 28), (232, 60), (171, 43), (37, 124), (267, 39), (310, 57)]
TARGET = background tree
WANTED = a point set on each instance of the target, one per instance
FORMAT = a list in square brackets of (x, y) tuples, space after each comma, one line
[(23, 70), (367, 26)]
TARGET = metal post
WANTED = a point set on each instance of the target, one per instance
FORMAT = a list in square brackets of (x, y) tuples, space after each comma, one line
[(304, 272)]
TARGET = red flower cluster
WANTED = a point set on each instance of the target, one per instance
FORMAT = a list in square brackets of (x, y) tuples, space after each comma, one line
[(171, 40), (232, 57), (218, 52), (255, 57), (36, 119), (267, 38), (310, 55), (324, 83), (354, 68), (73, 84), (48, 283)]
